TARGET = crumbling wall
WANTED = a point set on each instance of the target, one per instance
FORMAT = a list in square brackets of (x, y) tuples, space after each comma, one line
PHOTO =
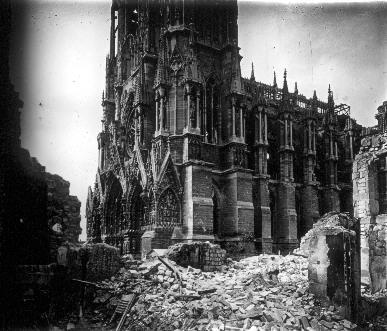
[(63, 211), (91, 261), (203, 255), (100, 260), (333, 251), (369, 196), (377, 253)]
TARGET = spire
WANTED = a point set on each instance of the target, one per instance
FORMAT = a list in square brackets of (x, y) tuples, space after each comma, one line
[(275, 80), (295, 95), (188, 71), (314, 102), (331, 103), (252, 77), (161, 71), (330, 116), (312, 109), (139, 86), (236, 84), (285, 90)]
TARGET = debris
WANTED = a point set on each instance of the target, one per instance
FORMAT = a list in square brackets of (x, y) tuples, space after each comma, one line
[(243, 296)]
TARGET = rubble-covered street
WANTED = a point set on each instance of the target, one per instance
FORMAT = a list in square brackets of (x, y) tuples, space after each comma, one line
[(265, 292)]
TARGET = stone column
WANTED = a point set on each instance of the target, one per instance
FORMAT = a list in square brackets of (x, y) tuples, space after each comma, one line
[(261, 201), (331, 200), (198, 110), (285, 236), (241, 121), (162, 106), (157, 116), (233, 117), (309, 191)]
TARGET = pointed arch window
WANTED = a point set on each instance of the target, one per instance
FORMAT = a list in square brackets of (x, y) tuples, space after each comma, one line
[(212, 111), (114, 215), (168, 209)]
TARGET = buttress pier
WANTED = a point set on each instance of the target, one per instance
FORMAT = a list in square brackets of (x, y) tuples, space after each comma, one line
[(189, 150)]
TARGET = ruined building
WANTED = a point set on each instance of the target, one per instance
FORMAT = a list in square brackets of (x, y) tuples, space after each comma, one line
[(28, 203), (370, 201), (190, 150)]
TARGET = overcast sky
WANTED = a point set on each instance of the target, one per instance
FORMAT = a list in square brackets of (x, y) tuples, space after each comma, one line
[(58, 63)]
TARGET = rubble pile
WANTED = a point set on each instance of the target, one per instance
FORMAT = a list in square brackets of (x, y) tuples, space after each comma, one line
[(265, 292)]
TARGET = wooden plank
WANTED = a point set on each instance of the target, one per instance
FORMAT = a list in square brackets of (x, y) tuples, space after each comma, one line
[(127, 309), (90, 283), (175, 272)]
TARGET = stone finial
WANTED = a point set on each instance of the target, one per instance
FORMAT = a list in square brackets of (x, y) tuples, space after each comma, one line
[(331, 103), (252, 76), (285, 90), (275, 80)]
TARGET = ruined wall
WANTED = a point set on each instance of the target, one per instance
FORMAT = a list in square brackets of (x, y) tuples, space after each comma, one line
[(369, 196), (333, 251), (377, 252), (203, 255), (63, 211)]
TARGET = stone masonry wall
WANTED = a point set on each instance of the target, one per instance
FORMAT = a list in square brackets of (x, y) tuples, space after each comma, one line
[(332, 248), (377, 253), (63, 212), (203, 255), (368, 195)]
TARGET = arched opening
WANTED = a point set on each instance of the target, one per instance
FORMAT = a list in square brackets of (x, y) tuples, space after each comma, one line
[(168, 210), (136, 220), (215, 213), (211, 126), (273, 161), (113, 213), (273, 214), (301, 228)]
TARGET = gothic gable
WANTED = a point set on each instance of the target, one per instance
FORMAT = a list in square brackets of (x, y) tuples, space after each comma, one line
[(176, 60), (169, 177)]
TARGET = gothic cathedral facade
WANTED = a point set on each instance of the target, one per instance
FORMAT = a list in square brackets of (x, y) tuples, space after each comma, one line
[(189, 150)]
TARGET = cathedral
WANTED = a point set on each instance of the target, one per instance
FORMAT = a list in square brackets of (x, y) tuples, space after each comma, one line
[(190, 150)]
